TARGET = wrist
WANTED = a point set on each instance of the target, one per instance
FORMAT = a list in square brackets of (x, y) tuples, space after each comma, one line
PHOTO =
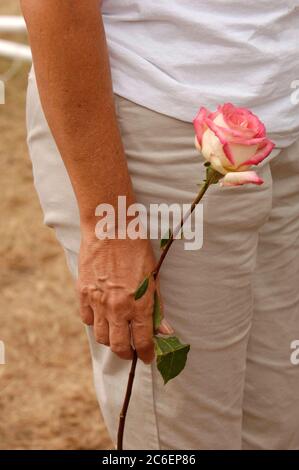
[(114, 216), (105, 227)]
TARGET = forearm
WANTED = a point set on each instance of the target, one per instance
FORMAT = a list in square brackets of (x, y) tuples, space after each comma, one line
[(72, 69)]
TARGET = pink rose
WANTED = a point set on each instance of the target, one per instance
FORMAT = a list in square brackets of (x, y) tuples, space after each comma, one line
[(232, 140)]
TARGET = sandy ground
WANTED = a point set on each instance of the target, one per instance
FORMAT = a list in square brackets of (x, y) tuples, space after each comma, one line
[(47, 399)]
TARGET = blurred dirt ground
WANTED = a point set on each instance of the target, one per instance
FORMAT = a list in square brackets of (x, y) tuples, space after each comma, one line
[(47, 399)]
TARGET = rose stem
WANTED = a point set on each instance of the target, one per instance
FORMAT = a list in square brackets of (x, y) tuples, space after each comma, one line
[(122, 418), (123, 414), (179, 227)]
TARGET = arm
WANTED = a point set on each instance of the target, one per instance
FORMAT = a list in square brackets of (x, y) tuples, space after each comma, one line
[(73, 76)]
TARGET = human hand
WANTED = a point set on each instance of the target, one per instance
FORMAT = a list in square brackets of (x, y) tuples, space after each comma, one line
[(109, 273)]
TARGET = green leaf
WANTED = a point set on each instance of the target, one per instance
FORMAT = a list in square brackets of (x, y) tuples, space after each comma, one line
[(171, 356), (157, 313), (141, 290), (165, 239)]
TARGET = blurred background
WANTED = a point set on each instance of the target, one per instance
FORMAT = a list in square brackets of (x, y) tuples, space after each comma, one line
[(47, 399)]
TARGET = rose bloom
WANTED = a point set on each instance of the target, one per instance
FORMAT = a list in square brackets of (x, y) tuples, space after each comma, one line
[(232, 139)]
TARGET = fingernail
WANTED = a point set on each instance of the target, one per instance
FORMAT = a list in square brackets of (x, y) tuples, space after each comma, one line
[(165, 328)]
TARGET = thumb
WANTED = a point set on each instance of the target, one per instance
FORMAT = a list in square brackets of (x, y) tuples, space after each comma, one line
[(165, 328)]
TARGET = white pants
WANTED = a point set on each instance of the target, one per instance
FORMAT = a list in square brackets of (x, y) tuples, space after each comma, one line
[(236, 301)]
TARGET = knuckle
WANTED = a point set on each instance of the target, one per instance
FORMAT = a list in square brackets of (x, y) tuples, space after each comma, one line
[(95, 296), (117, 319), (87, 291), (81, 287)]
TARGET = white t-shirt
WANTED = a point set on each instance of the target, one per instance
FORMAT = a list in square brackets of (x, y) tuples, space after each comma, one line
[(174, 56)]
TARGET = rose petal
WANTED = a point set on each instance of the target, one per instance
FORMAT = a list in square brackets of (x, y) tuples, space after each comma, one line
[(197, 144), (250, 123), (239, 178), (217, 165), (236, 131), (242, 153), (199, 123), (222, 136), (242, 136), (262, 152), (212, 147)]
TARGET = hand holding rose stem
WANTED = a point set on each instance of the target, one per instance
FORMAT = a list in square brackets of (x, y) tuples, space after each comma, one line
[(231, 140)]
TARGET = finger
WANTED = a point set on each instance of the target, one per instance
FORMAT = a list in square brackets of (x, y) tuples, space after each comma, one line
[(142, 332), (165, 328), (101, 331), (86, 311), (120, 339), (101, 327), (86, 314)]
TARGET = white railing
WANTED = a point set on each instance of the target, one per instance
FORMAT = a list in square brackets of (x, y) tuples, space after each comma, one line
[(15, 51), (12, 24), (9, 49)]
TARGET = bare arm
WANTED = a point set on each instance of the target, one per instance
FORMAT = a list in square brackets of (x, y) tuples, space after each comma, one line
[(73, 76)]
